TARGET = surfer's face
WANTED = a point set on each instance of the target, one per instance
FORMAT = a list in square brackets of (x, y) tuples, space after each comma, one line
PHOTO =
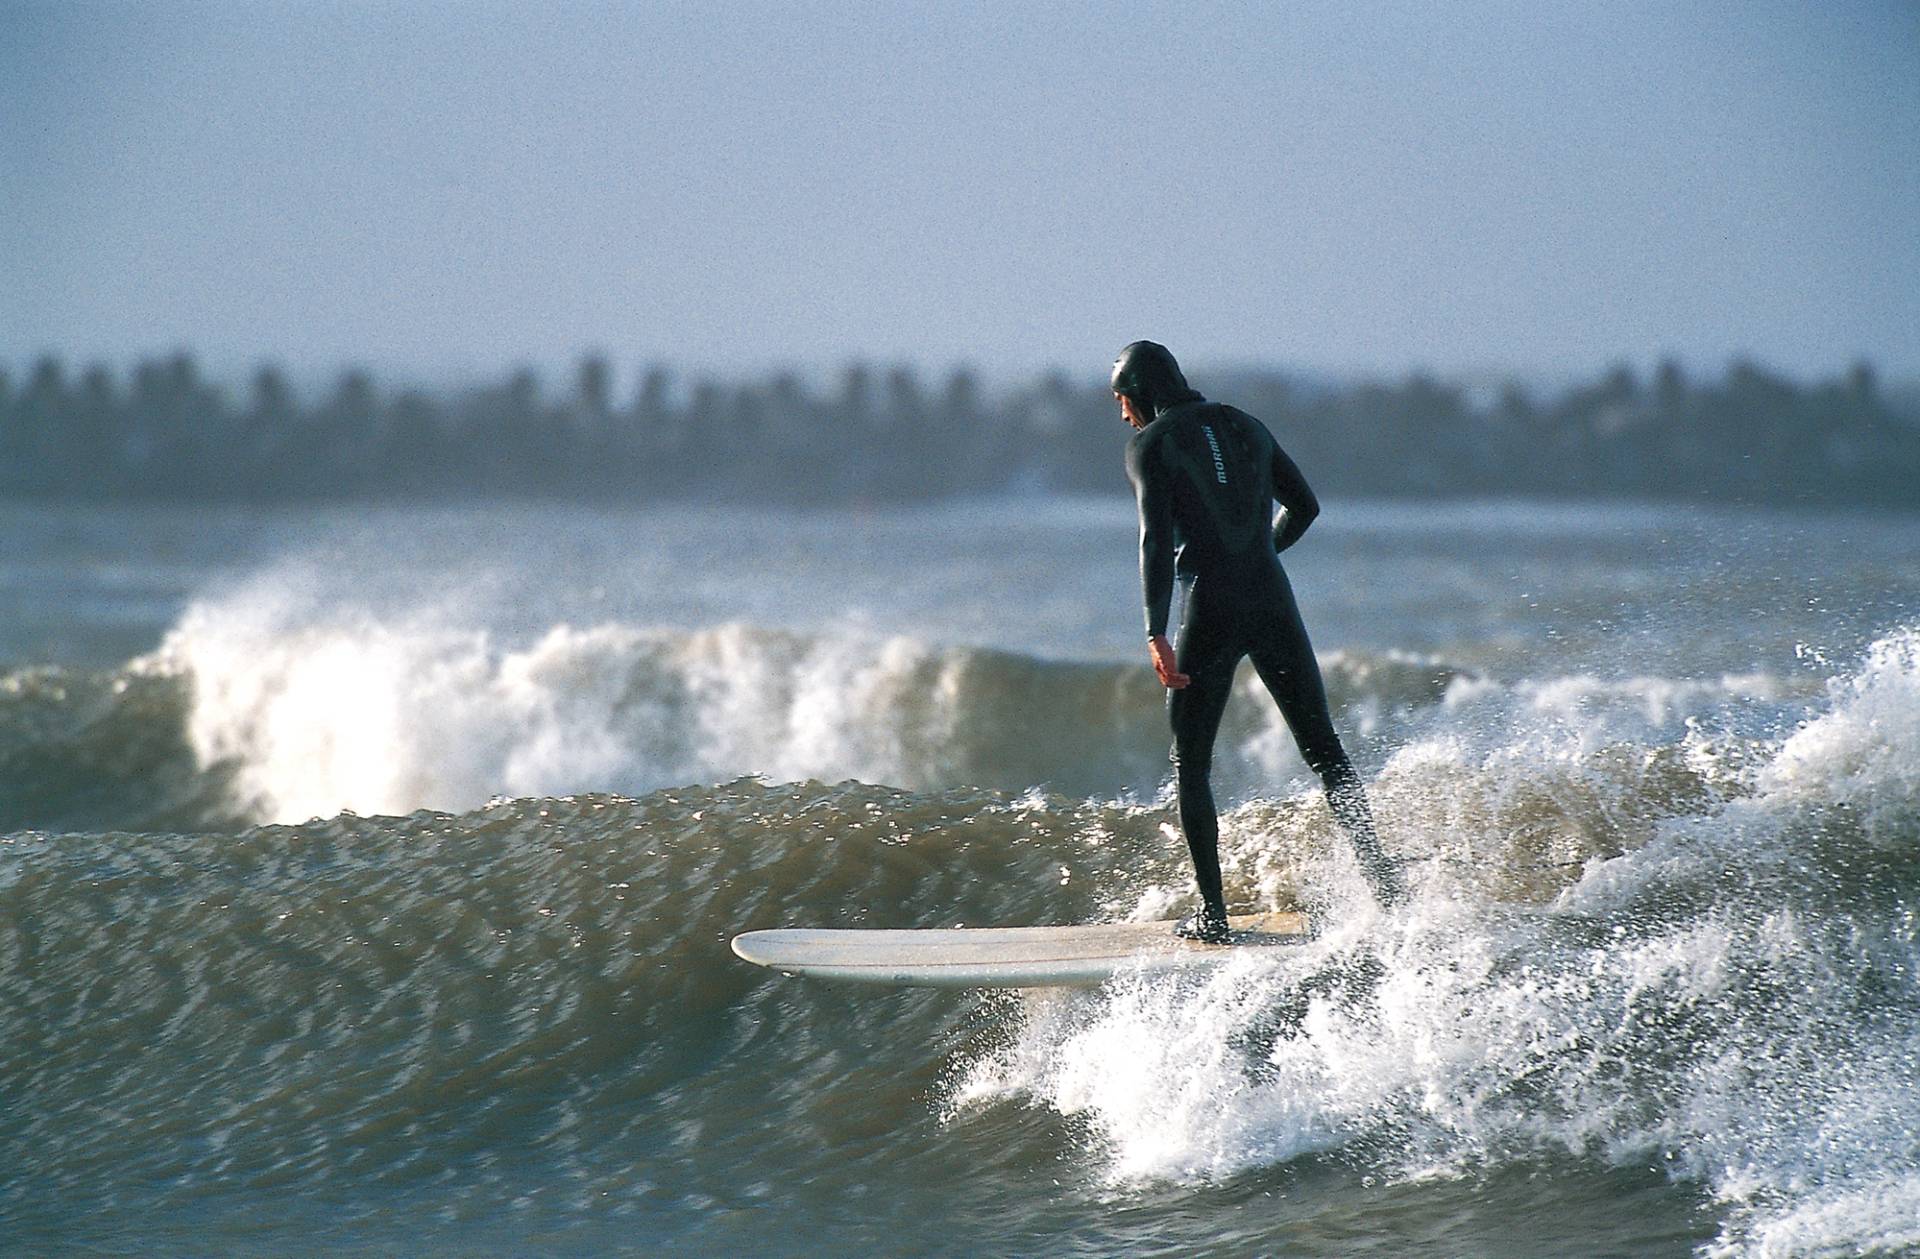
[(1130, 411)]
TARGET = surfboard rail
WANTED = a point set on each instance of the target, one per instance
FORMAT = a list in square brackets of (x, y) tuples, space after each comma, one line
[(1005, 957)]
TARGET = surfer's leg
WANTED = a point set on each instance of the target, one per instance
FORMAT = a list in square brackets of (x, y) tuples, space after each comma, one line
[(1194, 711), (1283, 656)]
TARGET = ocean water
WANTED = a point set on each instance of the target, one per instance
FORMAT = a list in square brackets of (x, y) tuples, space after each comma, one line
[(366, 877)]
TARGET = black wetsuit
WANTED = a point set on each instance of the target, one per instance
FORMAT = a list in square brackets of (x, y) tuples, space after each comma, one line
[(1206, 477)]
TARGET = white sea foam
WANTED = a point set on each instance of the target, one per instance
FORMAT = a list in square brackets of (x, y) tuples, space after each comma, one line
[(361, 714), (1730, 1000), (1878, 1217), (1865, 750)]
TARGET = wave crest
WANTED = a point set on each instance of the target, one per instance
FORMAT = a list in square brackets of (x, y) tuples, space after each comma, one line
[(312, 717)]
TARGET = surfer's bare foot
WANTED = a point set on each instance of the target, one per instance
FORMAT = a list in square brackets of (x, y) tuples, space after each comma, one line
[(1206, 924)]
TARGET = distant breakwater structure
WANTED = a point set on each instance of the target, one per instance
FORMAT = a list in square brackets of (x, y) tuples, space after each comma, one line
[(165, 431)]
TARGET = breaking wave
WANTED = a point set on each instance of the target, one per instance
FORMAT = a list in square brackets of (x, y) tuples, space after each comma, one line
[(249, 712), (255, 711)]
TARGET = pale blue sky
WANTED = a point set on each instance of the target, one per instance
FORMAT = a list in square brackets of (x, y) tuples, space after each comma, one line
[(445, 188)]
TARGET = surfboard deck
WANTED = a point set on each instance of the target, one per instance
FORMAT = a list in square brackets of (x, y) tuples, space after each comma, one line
[(1006, 957)]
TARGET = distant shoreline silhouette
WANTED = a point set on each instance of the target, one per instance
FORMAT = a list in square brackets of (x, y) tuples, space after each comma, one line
[(162, 431)]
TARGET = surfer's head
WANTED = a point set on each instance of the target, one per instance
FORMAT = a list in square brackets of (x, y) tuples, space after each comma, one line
[(1146, 375)]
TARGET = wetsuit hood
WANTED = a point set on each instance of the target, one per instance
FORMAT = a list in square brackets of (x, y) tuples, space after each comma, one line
[(1147, 373)]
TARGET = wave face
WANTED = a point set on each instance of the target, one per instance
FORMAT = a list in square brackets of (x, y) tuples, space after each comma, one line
[(1659, 957), (95, 749), (392, 1012)]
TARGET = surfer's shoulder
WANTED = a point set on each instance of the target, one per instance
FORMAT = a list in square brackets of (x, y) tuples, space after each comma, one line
[(1142, 445), (1246, 422), (1234, 415)]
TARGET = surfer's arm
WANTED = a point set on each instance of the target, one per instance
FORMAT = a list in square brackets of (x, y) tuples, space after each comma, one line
[(1298, 505), (1150, 493)]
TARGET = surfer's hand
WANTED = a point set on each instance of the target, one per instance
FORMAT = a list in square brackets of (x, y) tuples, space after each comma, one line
[(1162, 652)]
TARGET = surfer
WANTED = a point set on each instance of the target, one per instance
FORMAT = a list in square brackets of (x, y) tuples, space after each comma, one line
[(1205, 477)]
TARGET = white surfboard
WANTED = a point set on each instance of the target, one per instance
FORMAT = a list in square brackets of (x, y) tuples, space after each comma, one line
[(1007, 957)]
